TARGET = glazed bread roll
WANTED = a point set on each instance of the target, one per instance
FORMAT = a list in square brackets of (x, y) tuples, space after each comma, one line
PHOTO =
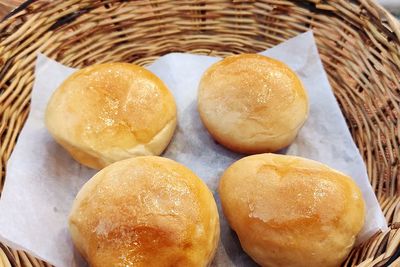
[(290, 211), (109, 112), (145, 211), (251, 103)]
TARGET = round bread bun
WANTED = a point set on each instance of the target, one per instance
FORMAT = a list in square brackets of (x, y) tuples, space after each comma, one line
[(251, 103), (290, 211), (145, 211), (108, 112)]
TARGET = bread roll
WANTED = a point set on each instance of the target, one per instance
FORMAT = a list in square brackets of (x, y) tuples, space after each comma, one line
[(145, 211), (251, 103), (290, 211), (109, 112)]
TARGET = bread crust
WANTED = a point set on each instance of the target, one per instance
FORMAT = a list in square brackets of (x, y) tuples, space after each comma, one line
[(291, 211), (112, 111), (145, 211), (251, 103)]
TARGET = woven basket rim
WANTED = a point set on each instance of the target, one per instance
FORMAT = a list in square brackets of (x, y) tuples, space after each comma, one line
[(17, 9)]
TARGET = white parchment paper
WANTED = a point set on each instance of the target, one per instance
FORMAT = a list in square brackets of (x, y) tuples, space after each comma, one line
[(42, 179), (391, 5)]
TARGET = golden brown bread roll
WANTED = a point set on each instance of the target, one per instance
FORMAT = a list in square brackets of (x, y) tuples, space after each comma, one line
[(113, 111), (251, 103), (290, 211), (145, 211)]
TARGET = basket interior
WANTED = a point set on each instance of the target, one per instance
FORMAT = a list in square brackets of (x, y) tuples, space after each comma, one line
[(357, 40)]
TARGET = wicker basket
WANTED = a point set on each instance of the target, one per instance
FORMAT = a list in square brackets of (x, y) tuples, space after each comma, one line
[(359, 43)]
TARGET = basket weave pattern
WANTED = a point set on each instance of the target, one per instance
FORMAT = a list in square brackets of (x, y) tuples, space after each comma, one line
[(358, 41)]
